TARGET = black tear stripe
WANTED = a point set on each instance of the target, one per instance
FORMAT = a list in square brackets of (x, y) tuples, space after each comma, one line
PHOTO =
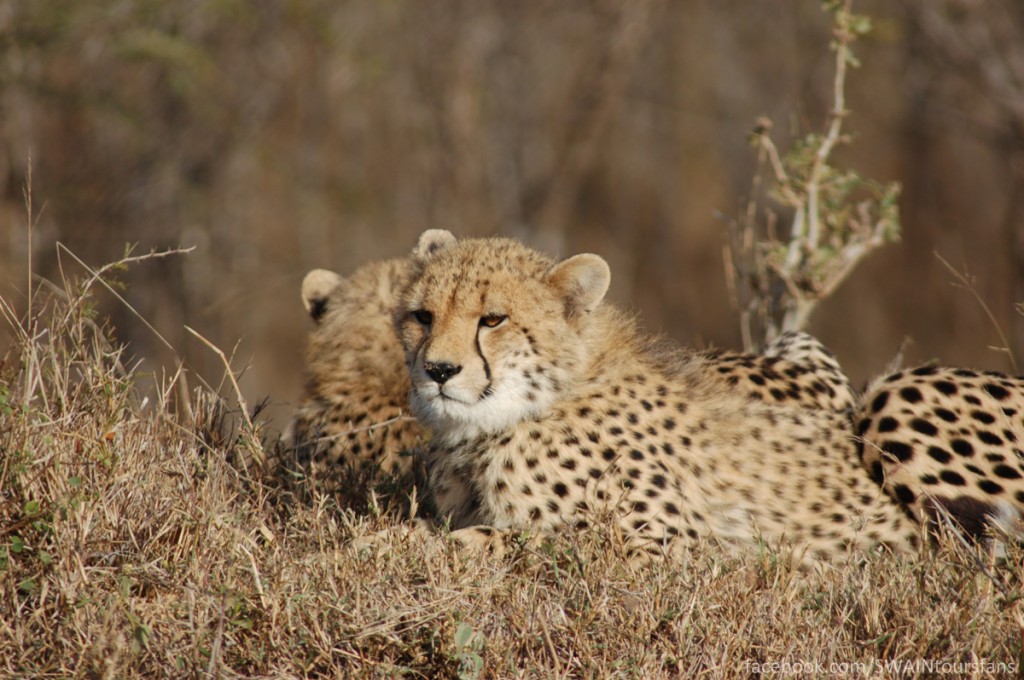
[(487, 367)]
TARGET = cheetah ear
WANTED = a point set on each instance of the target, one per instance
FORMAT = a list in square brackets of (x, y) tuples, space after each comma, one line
[(316, 289), (582, 280), (432, 241)]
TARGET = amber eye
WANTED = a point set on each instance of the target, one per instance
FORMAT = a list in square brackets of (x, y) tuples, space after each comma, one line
[(423, 316), (492, 320)]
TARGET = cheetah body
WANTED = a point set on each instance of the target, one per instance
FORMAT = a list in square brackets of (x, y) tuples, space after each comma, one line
[(548, 406)]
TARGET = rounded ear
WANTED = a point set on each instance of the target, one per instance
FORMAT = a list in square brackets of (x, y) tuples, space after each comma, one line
[(316, 289), (582, 280), (432, 241)]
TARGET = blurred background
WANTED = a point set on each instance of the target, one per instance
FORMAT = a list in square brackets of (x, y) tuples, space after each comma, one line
[(276, 137)]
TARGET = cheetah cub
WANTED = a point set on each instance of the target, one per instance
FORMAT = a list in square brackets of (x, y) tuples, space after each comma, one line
[(352, 423), (548, 405)]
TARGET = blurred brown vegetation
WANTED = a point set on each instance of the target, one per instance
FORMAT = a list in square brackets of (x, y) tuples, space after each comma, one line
[(278, 137)]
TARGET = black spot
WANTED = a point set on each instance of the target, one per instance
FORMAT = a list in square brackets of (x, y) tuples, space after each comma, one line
[(904, 494), (911, 394), (877, 472), (569, 464), (990, 487), (924, 370), (608, 454), (778, 394), (1006, 472), (945, 387), (584, 411), (879, 402), (888, 424), (946, 415), (639, 506), (990, 437), (996, 391), (756, 379), (951, 477), (939, 454), (552, 506), (535, 514), (671, 508), (924, 427), (636, 454), (560, 489), (615, 431), (531, 463), (658, 481), (902, 452), (983, 417), (930, 480), (962, 448)]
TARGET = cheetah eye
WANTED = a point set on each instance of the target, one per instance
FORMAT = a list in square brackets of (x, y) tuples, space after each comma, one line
[(423, 316), (492, 320)]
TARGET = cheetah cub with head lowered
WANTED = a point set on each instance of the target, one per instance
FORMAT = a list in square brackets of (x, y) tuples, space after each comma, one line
[(548, 405), (352, 427)]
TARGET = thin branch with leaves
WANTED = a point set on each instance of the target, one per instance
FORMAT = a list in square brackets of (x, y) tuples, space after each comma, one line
[(838, 216)]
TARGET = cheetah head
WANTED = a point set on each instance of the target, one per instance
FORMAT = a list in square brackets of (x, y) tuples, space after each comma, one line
[(493, 331)]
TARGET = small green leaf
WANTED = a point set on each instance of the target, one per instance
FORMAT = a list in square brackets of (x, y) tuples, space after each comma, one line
[(45, 557), (28, 586), (463, 635), (32, 508), (17, 545), (75, 481)]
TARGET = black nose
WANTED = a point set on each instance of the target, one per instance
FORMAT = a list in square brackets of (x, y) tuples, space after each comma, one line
[(441, 372)]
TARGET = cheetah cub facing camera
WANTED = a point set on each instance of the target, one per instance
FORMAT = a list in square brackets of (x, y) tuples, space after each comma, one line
[(548, 405)]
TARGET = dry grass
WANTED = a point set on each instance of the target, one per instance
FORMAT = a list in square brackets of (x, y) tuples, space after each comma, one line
[(133, 544)]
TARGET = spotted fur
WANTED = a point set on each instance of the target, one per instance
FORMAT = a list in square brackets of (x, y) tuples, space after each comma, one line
[(948, 441)]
